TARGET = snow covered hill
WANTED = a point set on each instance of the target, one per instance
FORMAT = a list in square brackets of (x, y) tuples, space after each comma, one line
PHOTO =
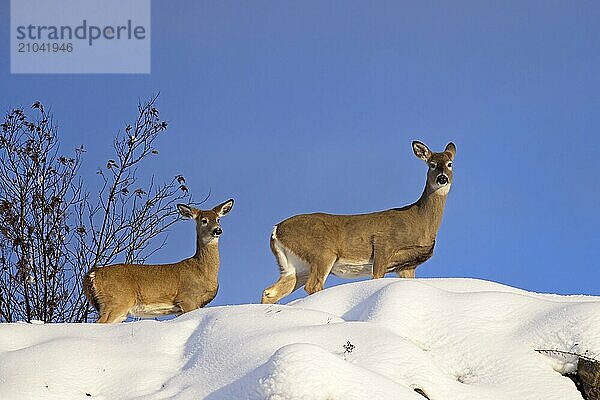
[(452, 338)]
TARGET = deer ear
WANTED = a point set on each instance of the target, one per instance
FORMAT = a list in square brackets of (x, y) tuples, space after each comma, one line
[(421, 151), (186, 211), (451, 148), (224, 208)]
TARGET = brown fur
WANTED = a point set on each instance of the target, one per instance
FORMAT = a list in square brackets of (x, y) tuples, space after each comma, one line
[(396, 240), (119, 290)]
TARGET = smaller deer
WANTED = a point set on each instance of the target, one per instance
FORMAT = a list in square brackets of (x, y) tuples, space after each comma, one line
[(119, 290), (308, 247)]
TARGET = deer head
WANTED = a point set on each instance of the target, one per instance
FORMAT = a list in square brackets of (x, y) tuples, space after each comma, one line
[(208, 227), (439, 176)]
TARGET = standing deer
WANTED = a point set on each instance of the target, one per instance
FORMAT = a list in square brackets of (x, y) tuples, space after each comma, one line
[(308, 247), (119, 290)]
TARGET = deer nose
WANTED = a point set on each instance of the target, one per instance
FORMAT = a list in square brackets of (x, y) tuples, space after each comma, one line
[(217, 232), (442, 179)]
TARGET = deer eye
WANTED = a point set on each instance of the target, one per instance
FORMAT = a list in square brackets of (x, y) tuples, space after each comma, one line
[(218, 220), (449, 165), (432, 165), (204, 221)]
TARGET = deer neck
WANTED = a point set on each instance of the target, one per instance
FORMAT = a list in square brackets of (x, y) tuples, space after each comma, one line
[(430, 208), (207, 255)]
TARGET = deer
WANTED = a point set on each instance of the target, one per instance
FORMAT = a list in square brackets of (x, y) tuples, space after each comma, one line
[(138, 290), (310, 247)]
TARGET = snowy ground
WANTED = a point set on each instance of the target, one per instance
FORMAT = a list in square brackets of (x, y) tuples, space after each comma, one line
[(452, 338)]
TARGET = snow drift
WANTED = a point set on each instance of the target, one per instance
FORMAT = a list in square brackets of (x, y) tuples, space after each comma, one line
[(451, 338)]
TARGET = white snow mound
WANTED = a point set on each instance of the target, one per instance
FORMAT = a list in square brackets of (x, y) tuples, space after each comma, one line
[(451, 338)]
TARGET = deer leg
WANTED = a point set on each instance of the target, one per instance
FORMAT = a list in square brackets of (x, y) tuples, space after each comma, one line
[(114, 315), (380, 264), (408, 261), (406, 273), (117, 318), (379, 270), (285, 285), (186, 306), (319, 271), (111, 311), (102, 319), (293, 275)]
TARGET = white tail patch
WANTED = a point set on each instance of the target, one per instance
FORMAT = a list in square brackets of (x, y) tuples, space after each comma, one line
[(291, 264), (274, 233)]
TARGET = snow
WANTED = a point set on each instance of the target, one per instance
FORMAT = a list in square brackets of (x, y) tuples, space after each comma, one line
[(452, 338)]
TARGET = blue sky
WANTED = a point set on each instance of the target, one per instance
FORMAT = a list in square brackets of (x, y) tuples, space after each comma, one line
[(293, 107)]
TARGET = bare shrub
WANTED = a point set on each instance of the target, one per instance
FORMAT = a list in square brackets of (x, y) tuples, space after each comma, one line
[(52, 229)]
